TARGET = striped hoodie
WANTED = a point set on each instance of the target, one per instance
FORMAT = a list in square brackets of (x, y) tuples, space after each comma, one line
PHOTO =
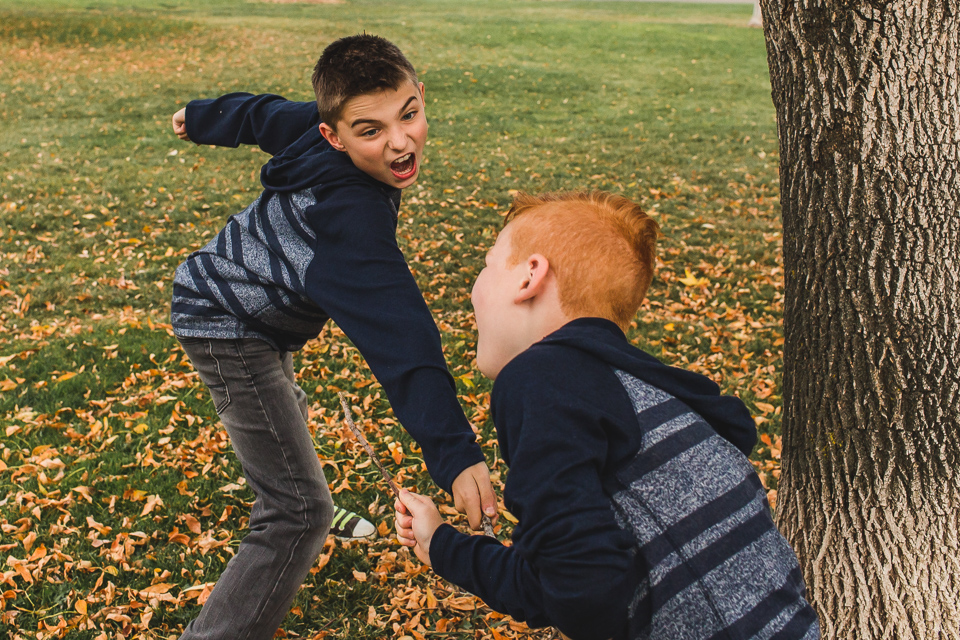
[(319, 243), (639, 515)]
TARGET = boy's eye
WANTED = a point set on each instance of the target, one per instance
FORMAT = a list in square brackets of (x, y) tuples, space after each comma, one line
[(409, 115), (369, 133)]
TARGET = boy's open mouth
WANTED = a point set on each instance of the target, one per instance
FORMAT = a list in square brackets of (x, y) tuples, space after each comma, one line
[(404, 166)]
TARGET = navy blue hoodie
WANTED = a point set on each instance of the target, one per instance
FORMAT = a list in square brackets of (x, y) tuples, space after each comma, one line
[(572, 423), (320, 243)]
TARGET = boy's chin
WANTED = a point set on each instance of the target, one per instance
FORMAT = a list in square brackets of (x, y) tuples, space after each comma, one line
[(491, 367), (488, 369)]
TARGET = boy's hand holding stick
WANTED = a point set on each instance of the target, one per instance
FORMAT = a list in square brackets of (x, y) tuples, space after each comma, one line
[(487, 524)]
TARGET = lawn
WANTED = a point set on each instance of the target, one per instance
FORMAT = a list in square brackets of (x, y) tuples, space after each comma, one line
[(120, 499)]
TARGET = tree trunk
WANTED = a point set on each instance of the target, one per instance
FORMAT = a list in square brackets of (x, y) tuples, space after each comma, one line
[(868, 116)]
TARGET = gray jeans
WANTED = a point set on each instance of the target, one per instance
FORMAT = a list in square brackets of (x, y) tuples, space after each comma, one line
[(264, 411)]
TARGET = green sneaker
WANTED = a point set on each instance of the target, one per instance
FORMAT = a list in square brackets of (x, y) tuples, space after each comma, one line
[(348, 525)]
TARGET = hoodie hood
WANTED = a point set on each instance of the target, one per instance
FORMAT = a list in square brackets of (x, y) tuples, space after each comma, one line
[(311, 161), (604, 340)]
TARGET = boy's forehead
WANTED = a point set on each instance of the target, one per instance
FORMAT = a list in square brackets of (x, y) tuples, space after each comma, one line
[(502, 243), (371, 101)]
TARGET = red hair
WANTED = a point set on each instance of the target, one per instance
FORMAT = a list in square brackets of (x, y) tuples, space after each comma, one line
[(600, 247)]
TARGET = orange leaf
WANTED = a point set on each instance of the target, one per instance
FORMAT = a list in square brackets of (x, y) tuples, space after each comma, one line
[(84, 492), (465, 603), (81, 607), (192, 523), (156, 589), (152, 502)]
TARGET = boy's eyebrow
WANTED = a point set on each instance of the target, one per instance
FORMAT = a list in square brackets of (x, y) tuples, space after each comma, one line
[(373, 121)]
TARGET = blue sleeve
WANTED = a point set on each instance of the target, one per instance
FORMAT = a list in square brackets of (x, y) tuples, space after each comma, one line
[(360, 279), (571, 565), (270, 121)]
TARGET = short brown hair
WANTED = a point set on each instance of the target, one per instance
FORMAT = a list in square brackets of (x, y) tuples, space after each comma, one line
[(600, 246), (354, 66)]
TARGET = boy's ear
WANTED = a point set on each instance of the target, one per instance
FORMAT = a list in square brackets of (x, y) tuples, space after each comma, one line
[(331, 136), (534, 283)]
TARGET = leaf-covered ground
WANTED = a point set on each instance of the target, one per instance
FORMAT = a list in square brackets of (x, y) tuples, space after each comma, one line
[(120, 498)]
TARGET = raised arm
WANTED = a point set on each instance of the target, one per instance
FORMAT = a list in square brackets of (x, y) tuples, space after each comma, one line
[(267, 120), (360, 278)]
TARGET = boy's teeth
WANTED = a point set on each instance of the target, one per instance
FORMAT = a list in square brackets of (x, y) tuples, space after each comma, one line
[(403, 164)]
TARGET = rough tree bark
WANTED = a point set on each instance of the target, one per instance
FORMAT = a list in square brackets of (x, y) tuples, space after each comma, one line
[(868, 115)]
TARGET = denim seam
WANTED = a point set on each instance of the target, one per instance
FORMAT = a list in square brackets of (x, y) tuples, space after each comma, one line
[(303, 502), (223, 383)]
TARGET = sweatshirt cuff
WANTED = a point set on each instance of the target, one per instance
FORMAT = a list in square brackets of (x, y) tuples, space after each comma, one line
[(190, 118), (440, 548)]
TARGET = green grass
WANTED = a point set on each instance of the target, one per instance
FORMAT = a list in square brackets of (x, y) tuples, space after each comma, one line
[(668, 104)]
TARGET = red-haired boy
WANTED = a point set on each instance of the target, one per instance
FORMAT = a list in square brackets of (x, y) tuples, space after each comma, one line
[(639, 513)]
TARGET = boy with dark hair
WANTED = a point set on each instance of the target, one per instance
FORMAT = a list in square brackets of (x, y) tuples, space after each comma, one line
[(319, 243), (639, 513)]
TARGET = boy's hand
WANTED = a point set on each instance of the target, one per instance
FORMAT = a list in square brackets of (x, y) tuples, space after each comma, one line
[(180, 124), (417, 520), (473, 495)]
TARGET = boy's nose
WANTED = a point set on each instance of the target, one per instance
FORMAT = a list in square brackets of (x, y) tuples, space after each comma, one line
[(397, 140)]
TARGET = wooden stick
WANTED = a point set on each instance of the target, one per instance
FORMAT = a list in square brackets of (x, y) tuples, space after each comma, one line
[(487, 523), (366, 445)]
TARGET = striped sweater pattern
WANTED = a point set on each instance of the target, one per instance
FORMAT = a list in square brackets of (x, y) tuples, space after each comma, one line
[(714, 565), (250, 280)]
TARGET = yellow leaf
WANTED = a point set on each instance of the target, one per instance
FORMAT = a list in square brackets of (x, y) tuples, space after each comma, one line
[(81, 607), (509, 516), (66, 376), (360, 576), (690, 281)]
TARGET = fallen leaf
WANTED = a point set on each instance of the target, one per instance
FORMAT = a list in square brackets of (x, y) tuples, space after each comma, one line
[(691, 281), (153, 502)]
